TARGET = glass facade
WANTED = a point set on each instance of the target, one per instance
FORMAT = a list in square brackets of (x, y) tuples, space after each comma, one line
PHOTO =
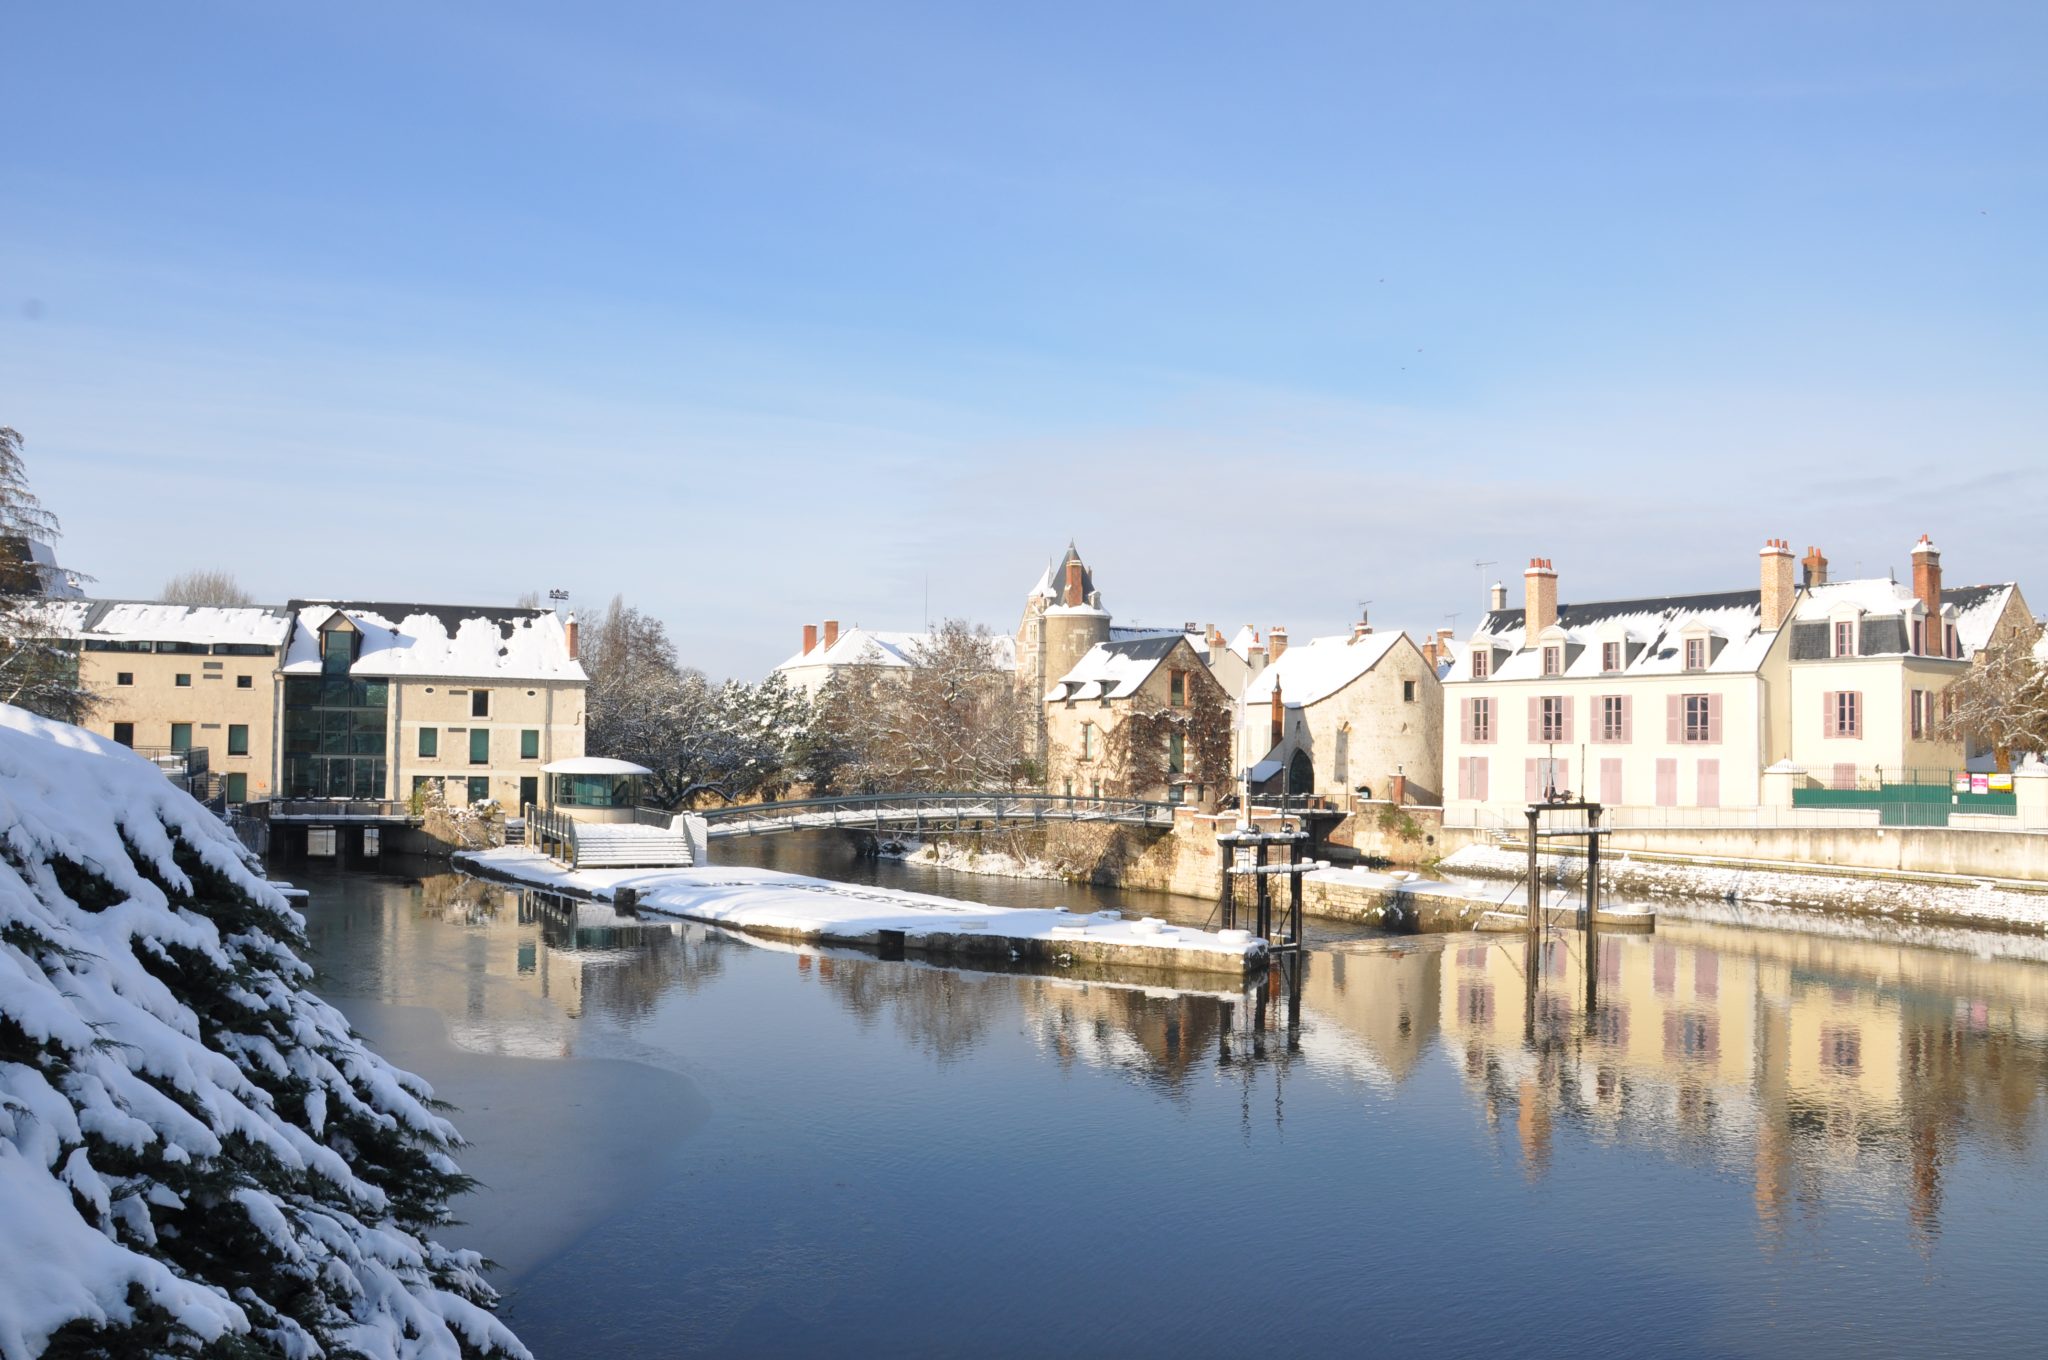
[(597, 790), (334, 735)]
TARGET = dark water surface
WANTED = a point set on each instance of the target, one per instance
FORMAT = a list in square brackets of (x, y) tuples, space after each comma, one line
[(1767, 1142)]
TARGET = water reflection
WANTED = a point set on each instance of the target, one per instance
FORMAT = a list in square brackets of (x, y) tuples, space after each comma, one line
[(1818, 1068)]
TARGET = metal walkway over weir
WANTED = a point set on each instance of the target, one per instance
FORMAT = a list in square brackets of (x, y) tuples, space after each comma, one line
[(919, 812)]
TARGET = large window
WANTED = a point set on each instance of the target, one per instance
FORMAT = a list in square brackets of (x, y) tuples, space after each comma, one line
[(124, 733), (1553, 660), (1177, 753), (1847, 714), (1613, 718), (1550, 719), (337, 651), (1699, 717), (238, 739), (1922, 711), (1845, 638), (334, 736), (237, 788), (597, 790), (1695, 654), (479, 788), (479, 745), (1482, 720)]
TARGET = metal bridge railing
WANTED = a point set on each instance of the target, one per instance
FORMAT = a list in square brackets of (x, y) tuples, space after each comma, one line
[(934, 809)]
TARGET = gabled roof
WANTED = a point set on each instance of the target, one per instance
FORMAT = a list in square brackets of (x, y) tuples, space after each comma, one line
[(1652, 627), (1115, 670), (874, 647), (1241, 645), (1974, 610), (457, 642), (1310, 672)]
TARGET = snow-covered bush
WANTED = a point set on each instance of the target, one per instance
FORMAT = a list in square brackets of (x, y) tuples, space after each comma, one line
[(197, 1156)]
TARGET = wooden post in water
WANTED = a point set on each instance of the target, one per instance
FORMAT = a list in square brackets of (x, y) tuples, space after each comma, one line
[(1265, 897), (1532, 950), (1592, 911)]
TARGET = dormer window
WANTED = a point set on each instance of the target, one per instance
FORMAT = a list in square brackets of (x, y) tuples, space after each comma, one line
[(1610, 656), (1480, 658), (1919, 637), (1695, 654), (337, 651), (1845, 637), (1553, 661)]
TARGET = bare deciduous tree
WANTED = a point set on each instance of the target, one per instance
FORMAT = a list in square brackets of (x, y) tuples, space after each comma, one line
[(2003, 702), (951, 720), (205, 585)]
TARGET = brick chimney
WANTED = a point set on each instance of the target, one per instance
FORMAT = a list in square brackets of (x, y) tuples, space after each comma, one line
[(1429, 652), (810, 637), (831, 632), (1539, 593), (1397, 789), (1776, 557), (1361, 628), (1276, 642), (569, 632), (1927, 590), (1074, 584), (1816, 568), (1279, 717)]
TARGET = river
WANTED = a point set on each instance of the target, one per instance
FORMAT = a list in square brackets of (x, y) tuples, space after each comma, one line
[(1775, 1138)]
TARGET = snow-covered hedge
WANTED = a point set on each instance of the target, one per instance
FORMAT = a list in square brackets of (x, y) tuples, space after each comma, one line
[(196, 1154)]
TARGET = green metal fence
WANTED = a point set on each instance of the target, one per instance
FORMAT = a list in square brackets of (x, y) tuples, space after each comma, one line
[(1918, 798)]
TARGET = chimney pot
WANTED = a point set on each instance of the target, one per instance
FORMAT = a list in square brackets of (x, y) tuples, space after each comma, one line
[(1927, 590), (1277, 642)]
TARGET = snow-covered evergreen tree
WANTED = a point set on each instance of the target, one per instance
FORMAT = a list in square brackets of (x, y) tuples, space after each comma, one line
[(197, 1155), (36, 672)]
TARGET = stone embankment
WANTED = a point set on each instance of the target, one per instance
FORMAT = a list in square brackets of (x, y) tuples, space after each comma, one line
[(1922, 898)]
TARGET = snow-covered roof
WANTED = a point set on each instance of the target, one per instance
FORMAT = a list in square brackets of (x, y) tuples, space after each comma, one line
[(1651, 631), (593, 765), (1310, 672), (1246, 639), (873, 647), (147, 621), (40, 560), (1114, 670), (456, 642), (1974, 610)]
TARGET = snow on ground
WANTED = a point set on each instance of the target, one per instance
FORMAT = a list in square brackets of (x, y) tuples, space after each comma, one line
[(169, 1089), (816, 908), (1984, 902), (965, 860)]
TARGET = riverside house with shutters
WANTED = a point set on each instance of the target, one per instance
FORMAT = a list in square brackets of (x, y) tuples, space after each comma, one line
[(1685, 701)]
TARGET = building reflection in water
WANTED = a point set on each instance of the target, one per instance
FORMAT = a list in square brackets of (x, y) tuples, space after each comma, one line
[(1819, 1067)]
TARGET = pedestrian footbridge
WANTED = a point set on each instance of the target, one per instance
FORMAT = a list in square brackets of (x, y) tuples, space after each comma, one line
[(928, 812)]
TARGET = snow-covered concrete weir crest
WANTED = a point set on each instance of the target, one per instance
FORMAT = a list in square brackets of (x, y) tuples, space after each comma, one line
[(793, 907)]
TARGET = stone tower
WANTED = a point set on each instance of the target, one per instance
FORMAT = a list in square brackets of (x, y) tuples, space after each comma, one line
[(1063, 619)]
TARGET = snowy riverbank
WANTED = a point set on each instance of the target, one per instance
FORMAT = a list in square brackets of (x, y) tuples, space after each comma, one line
[(790, 906), (965, 860), (1974, 903)]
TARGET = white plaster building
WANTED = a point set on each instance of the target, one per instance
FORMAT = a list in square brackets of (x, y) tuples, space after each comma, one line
[(828, 652), (1684, 701)]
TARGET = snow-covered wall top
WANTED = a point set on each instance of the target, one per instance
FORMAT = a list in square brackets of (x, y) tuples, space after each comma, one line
[(454, 642), (194, 1147), (873, 647)]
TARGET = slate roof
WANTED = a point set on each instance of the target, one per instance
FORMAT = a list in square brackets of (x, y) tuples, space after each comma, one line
[(1114, 670)]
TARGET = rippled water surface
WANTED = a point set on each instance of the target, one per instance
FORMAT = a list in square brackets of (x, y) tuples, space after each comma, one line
[(1763, 1141)]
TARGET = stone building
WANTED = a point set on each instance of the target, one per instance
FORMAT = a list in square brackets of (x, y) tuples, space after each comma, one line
[(377, 700), (1159, 682), (1357, 716)]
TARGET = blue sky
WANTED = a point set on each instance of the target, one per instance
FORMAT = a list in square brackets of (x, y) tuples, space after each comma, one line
[(769, 313)]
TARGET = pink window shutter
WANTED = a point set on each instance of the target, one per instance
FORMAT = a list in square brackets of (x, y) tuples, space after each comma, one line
[(1465, 720), (1610, 782), (1710, 783), (1827, 715), (1464, 776), (1674, 719), (1534, 790), (1480, 778), (1856, 713), (1564, 776), (1567, 704), (1627, 718), (1714, 718), (1667, 782), (1535, 719)]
